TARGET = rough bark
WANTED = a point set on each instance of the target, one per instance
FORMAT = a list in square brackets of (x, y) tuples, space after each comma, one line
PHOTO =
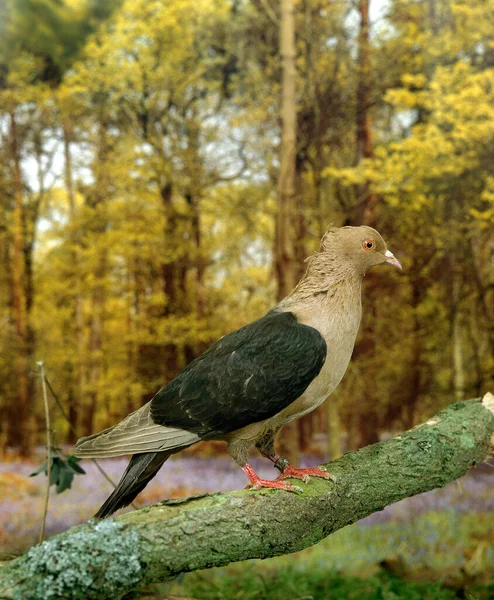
[(110, 558)]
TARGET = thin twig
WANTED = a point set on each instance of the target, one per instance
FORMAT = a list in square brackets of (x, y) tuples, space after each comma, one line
[(48, 448), (73, 429)]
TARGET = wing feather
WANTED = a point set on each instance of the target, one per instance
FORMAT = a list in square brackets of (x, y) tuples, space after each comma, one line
[(249, 375), (136, 434)]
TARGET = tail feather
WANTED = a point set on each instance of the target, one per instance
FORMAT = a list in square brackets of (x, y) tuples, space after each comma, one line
[(141, 469), (136, 434)]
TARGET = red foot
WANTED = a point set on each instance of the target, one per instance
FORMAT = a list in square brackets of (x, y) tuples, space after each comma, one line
[(303, 474), (257, 483)]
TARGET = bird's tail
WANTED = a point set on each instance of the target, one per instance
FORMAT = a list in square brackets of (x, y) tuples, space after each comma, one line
[(141, 469), (136, 434)]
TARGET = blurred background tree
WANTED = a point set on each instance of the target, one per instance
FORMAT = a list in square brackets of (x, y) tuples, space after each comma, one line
[(144, 212)]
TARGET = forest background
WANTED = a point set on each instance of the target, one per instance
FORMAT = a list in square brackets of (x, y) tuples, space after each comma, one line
[(144, 212)]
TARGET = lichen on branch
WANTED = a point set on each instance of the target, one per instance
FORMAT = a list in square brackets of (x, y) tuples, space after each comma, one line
[(108, 559)]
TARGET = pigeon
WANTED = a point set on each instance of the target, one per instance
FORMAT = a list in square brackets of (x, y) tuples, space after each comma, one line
[(250, 383)]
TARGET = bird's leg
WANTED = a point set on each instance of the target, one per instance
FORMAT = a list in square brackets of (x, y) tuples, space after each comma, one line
[(279, 462), (266, 448), (239, 451)]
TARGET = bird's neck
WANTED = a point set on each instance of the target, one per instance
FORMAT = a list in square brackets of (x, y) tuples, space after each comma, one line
[(325, 275), (329, 289)]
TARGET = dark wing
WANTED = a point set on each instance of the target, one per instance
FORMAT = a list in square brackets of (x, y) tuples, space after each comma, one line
[(247, 376)]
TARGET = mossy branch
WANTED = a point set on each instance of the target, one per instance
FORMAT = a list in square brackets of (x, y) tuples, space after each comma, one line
[(110, 558)]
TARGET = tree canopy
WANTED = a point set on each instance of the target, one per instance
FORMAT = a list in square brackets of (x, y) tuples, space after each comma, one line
[(139, 146)]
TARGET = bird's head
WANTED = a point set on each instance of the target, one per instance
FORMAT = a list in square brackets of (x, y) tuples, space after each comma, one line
[(362, 247)]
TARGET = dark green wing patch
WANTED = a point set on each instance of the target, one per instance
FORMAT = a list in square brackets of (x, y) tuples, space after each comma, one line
[(247, 376)]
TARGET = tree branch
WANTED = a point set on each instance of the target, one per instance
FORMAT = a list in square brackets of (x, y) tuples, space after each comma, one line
[(109, 558)]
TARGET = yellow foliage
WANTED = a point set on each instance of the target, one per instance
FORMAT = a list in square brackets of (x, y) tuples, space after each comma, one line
[(170, 114)]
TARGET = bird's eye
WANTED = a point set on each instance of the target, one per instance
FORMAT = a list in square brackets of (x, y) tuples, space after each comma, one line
[(368, 244)]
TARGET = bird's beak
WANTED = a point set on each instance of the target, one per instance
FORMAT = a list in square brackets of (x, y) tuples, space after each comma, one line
[(391, 260)]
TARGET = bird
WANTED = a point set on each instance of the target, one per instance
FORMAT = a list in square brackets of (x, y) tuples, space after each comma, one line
[(250, 383)]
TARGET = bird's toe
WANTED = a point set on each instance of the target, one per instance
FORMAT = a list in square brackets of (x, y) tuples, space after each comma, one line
[(304, 474)]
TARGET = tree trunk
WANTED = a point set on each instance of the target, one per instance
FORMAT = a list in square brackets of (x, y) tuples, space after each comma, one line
[(413, 381), (95, 371), (98, 227), (130, 344), (7, 387), (334, 429), (18, 427), (76, 400), (284, 264), (111, 558), (170, 275), (199, 259), (284, 250), (457, 341), (366, 215), (482, 321), (195, 170), (366, 199), (196, 349)]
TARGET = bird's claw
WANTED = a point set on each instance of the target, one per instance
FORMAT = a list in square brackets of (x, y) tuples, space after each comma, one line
[(256, 483), (277, 485), (304, 474)]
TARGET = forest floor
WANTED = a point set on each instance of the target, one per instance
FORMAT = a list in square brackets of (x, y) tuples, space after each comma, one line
[(436, 546)]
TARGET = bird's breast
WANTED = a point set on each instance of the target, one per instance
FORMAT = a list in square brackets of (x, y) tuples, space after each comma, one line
[(339, 330)]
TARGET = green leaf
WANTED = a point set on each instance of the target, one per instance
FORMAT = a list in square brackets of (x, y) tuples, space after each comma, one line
[(62, 471), (42, 469), (65, 479), (72, 462), (55, 471)]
